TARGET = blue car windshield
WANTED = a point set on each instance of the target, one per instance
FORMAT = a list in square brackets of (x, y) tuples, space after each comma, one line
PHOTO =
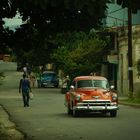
[(48, 75), (93, 84)]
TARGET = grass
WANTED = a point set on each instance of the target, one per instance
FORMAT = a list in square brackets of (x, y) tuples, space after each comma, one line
[(3, 133)]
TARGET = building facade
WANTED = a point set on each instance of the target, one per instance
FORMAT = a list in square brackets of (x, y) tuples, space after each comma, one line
[(116, 66), (118, 58), (123, 83)]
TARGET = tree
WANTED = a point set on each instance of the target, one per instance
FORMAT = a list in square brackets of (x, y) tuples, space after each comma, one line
[(7, 9), (46, 18), (83, 57), (62, 15)]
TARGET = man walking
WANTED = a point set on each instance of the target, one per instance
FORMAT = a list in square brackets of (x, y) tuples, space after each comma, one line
[(24, 86)]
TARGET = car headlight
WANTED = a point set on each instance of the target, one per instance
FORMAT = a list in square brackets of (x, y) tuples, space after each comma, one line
[(114, 97)]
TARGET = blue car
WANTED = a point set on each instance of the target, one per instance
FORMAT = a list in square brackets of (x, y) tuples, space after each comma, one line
[(48, 79)]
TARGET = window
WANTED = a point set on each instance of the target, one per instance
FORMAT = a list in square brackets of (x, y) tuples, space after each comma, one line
[(84, 83), (93, 84), (101, 83)]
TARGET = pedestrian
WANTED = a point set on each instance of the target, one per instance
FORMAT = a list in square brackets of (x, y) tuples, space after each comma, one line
[(92, 74), (29, 69), (25, 70), (67, 82), (32, 79), (25, 88)]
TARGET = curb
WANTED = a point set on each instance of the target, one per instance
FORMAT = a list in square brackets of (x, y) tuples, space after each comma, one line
[(121, 102)]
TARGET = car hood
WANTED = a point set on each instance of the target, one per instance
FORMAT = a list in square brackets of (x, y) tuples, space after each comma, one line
[(88, 94)]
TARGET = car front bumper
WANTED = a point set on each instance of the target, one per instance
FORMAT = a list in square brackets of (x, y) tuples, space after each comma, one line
[(96, 108)]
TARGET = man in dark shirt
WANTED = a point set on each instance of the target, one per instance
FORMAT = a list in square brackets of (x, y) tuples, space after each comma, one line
[(25, 88)]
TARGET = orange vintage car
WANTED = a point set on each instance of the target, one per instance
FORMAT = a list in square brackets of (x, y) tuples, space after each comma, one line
[(91, 94)]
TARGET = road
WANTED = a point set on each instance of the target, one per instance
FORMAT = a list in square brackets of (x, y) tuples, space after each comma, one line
[(46, 118)]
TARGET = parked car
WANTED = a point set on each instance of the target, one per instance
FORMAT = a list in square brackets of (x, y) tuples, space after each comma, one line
[(48, 79), (91, 94)]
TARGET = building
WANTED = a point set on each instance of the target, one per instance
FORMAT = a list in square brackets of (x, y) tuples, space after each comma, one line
[(123, 59), (115, 66)]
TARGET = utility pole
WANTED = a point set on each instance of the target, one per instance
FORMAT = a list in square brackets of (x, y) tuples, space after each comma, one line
[(130, 60)]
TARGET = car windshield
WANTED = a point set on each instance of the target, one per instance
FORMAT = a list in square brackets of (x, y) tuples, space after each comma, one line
[(48, 75), (93, 84)]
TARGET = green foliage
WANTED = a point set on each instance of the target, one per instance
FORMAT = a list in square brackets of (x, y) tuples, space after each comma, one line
[(30, 45), (62, 15), (80, 56), (35, 41), (7, 9)]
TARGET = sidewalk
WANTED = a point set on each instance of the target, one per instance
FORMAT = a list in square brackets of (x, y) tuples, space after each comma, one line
[(8, 129), (124, 101)]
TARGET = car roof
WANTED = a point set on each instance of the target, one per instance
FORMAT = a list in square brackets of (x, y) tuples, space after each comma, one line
[(89, 78)]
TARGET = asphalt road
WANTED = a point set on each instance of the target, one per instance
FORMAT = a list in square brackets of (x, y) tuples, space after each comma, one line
[(47, 119)]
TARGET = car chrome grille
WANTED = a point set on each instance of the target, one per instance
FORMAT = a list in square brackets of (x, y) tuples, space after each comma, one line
[(95, 103)]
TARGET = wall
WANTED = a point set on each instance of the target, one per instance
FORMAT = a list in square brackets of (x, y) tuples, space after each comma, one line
[(136, 56), (123, 59)]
